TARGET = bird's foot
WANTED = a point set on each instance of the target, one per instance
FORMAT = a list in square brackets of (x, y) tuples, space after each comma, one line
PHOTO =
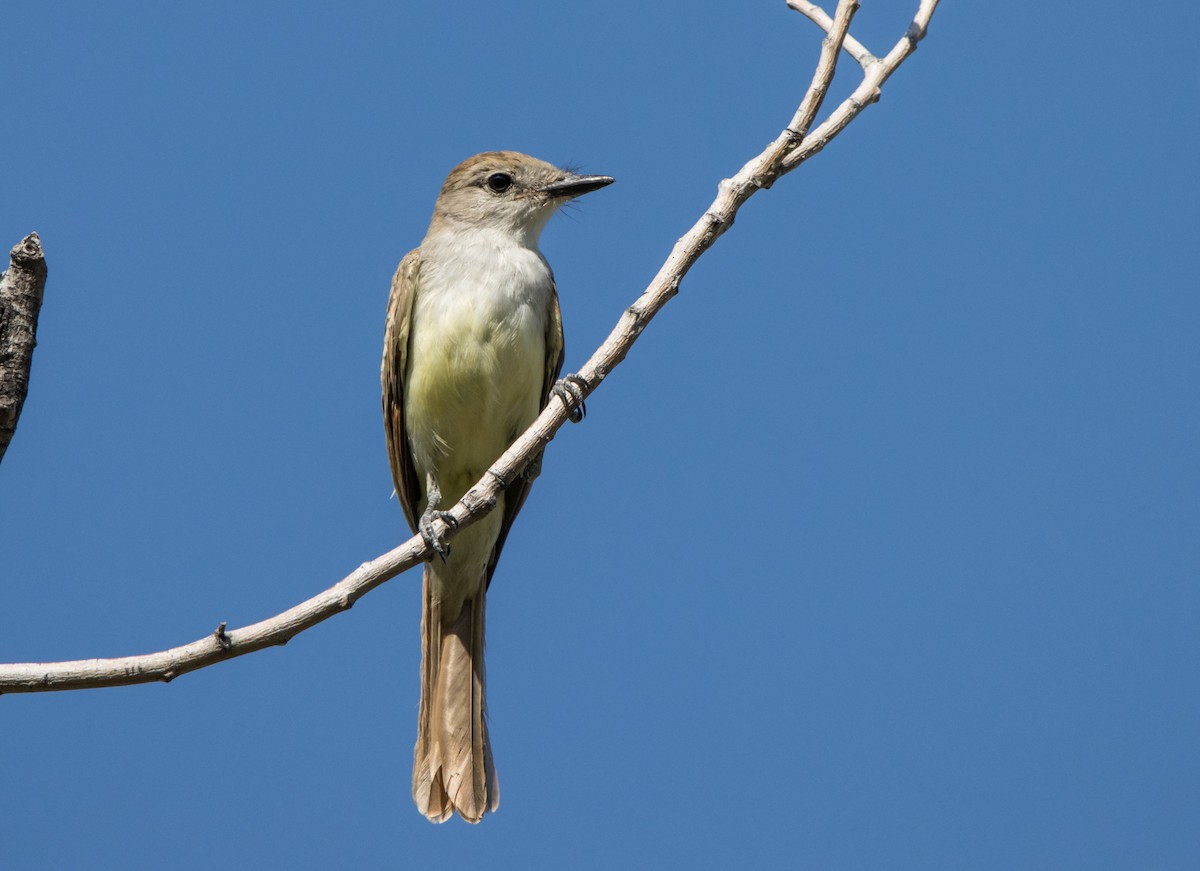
[(570, 389), (426, 527)]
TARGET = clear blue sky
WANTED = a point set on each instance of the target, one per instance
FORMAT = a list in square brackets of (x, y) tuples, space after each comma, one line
[(881, 550)]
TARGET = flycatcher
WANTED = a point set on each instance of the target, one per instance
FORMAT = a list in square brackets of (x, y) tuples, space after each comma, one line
[(472, 352)]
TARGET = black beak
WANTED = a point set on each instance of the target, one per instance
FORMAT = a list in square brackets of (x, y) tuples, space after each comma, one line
[(577, 185)]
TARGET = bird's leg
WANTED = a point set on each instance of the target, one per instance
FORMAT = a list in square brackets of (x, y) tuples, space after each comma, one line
[(433, 499), (570, 390)]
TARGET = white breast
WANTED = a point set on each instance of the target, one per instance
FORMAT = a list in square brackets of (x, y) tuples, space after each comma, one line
[(477, 353)]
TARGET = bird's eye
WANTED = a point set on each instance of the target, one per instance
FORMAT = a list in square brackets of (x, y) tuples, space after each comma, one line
[(499, 182)]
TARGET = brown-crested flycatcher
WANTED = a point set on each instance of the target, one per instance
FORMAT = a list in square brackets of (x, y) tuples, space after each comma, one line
[(473, 348)]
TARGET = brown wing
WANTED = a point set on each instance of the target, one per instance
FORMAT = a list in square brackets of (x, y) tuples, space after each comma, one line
[(391, 375), (515, 494)]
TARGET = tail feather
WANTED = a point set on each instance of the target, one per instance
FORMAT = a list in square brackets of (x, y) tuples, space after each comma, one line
[(452, 761)]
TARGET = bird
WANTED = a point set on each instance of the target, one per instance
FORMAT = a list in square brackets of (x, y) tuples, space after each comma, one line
[(473, 349)]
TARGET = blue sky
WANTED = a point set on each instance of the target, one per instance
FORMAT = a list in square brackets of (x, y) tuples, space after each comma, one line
[(880, 551)]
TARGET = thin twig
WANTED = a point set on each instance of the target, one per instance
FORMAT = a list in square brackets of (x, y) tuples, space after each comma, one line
[(867, 92), (818, 16), (732, 193), (768, 163), (217, 646)]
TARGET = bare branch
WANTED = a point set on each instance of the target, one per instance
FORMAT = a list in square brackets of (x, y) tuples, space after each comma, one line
[(217, 646), (817, 15), (786, 152), (867, 92), (21, 287), (766, 167), (838, 33)]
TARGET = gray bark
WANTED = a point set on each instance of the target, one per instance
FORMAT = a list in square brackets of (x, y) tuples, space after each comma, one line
[(21, 287)]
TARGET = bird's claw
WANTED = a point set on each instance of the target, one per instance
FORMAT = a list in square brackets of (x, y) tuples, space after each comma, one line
[(425, 525), (570, 389)]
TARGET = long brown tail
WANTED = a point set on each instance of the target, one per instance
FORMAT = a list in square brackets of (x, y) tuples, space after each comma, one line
[(452, 762)]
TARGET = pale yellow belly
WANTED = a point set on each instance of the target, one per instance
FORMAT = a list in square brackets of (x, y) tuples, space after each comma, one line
[(473, 386)]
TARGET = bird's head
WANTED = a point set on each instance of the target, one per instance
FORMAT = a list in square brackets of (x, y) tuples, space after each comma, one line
[(508, 192)]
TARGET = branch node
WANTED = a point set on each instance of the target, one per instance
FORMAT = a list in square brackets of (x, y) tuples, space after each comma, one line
[(858, 105), (763, 181), (476, 502), (168, 675), (718, 224), (222, 639)]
